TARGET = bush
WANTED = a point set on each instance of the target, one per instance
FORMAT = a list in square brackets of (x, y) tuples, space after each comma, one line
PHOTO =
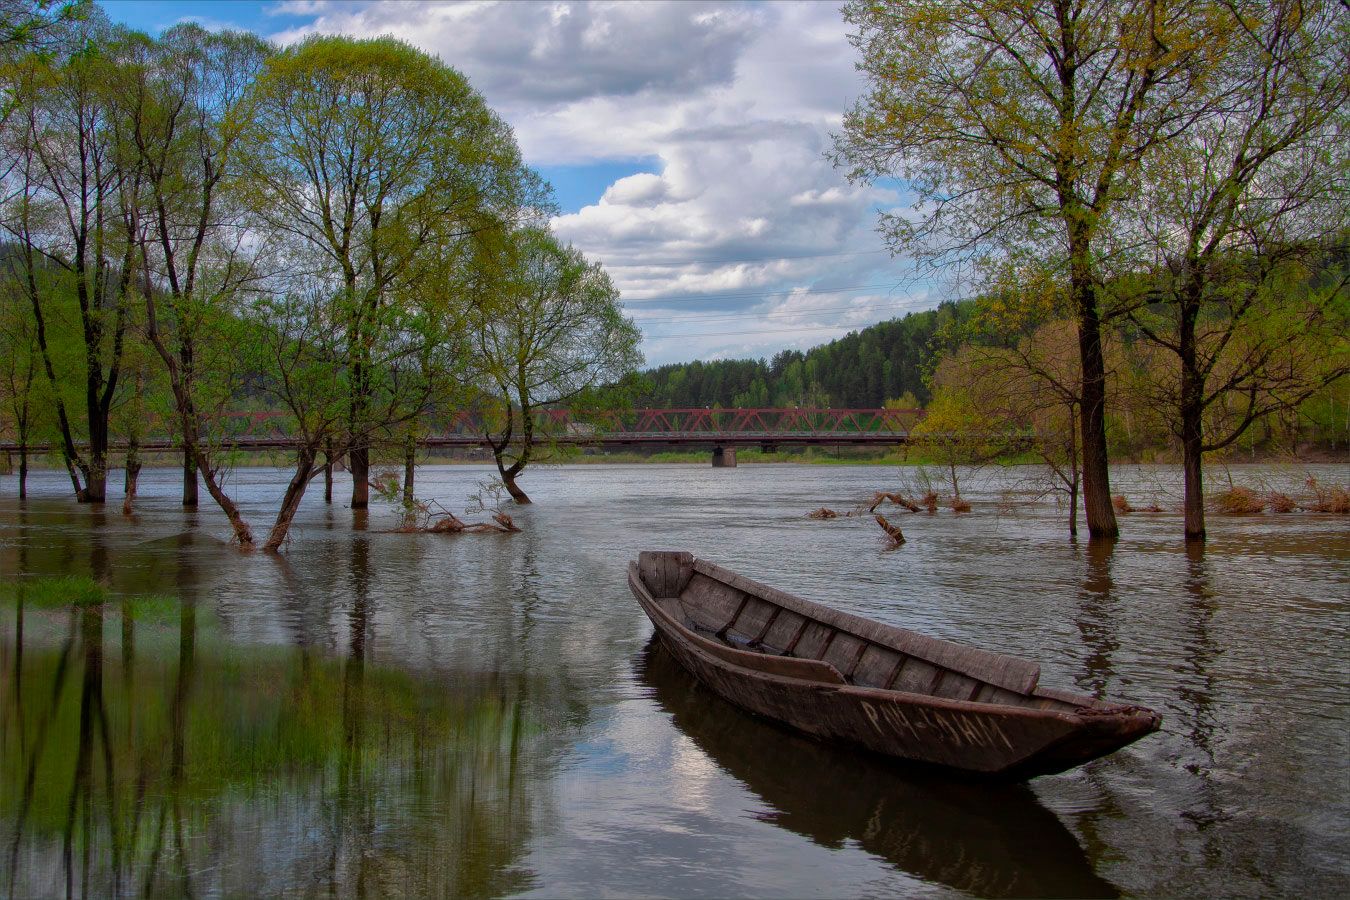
[(1281, 503), (1238, 501), (1333, 499)]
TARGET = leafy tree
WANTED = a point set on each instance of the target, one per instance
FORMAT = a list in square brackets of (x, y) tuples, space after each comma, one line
[(959, 428), (26, 397), (366, 159), (1021, 126), (1243, 225), (73, 212), (41, 26), (551, 329), (171, 101), (1027, 389)]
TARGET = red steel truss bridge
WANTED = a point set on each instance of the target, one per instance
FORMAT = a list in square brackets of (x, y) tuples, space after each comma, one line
[(692, 427)]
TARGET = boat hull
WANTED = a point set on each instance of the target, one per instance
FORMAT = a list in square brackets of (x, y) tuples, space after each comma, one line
[(984, 738)]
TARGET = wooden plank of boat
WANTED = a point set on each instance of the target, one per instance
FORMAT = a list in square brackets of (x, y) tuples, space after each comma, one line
[(930, 828), (842, 677)]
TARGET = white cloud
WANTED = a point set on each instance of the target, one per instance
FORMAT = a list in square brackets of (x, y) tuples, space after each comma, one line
[(736, 101)]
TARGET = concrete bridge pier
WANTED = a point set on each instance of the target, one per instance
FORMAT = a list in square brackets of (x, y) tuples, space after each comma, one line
[(724, 457)]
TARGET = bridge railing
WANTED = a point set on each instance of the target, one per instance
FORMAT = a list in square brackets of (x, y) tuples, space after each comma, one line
[(767, 421), (263, 429)]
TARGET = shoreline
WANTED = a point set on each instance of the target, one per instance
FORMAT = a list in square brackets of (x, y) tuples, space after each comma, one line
[(745, 456)]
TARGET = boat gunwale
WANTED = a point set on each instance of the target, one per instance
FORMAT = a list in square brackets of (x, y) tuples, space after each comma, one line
[(1000, 670), (889, 695)]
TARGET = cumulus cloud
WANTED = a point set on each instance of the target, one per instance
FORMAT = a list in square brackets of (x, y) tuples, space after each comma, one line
[(562, 51), (743, 238)]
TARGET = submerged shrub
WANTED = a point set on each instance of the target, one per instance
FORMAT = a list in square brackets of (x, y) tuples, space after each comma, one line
[(1281, 503), (1332, 499), (1238, 501)]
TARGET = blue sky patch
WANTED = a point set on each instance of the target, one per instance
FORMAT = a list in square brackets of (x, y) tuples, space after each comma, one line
[(575, 186), (153, 16)]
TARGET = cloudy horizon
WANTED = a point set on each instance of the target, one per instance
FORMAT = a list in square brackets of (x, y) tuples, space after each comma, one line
[(686, 142)]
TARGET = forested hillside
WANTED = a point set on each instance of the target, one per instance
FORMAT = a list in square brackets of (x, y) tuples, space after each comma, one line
[(862, 369)]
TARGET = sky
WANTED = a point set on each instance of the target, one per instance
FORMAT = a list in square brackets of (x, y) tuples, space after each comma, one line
[(686, 143)]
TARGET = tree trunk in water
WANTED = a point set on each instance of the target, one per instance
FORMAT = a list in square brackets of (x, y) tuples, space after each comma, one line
[(358, 460), (409, 470), (1101, 516), (236, 521), (190, 424), (95, 482), (290, 502), (96, 473), (1194, 475), (1073, 509), (508, 474), (328, 473), (189, 478), (23, 471), (133, 475), (518, 495), (1192, 408)]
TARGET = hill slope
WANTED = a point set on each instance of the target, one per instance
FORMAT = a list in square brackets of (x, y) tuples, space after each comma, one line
[(862, 369)]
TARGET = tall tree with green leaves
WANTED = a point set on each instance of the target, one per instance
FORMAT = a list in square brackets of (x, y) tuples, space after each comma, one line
[(37, 25), (1021, 125), (547, 329), (74, 213), (25, 399), (366, 159), (1244, 233), (174, 96)]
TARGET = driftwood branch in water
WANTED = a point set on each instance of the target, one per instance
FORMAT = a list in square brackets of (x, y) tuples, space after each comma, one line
[(893, 532), (822, 513), (898, 499), (449, 523)]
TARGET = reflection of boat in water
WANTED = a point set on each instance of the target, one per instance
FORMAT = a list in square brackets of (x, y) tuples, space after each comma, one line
[(843, 678), (992, 840)]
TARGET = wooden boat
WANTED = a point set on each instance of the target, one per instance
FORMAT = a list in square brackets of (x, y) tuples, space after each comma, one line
[(982, 839), (844, 678)]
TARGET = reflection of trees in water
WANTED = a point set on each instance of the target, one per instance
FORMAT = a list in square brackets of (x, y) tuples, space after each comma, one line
[(988, 839), (1199, 652), (1197, 691), (1095, 618), (421, 787)]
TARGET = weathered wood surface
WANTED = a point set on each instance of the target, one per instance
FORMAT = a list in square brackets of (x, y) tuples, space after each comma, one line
[(931, 828), (896, 692)]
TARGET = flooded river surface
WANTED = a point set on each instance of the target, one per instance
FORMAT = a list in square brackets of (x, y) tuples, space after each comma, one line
[(382, 713)]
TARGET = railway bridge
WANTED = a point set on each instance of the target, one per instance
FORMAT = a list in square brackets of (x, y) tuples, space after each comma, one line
[(722, 431)]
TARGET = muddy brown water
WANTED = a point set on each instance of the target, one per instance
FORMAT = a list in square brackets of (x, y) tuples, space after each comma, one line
[(380, 713)]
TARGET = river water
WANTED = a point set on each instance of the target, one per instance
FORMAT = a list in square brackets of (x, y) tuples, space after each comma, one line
[(485, 714)]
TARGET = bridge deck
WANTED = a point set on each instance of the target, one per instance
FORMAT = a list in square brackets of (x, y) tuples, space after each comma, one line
[(695, 427)]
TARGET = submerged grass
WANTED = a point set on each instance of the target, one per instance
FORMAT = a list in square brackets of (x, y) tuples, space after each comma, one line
[(62, 591), (54, 592)]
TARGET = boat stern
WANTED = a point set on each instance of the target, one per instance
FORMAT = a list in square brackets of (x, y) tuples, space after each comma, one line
[(665, 572)]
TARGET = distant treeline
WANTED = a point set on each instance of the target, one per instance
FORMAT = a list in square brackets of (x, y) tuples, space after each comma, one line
[(863, 369)]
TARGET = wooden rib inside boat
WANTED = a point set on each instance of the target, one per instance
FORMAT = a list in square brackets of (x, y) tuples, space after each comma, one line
[(842, 677)]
